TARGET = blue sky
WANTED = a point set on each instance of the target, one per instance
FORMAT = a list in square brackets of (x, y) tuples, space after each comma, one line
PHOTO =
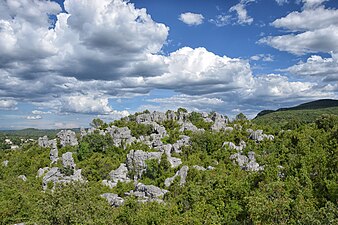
[(62, 63)]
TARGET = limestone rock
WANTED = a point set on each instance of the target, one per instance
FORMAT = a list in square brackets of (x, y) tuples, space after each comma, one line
[(174, 162), (189, 126), (67, 137), (210, 168), (5, 163), (55, 176), (171, 115), (183, 172), (231, 145), (83, 132), (22, 177), (121, 135), (113, 199), (54, 153), (68, 161), (120, 174), (247, 163), (259, 136), (109, 183), (42, 171), (184, 141), (136, 161), (43, 141), (148, 193)]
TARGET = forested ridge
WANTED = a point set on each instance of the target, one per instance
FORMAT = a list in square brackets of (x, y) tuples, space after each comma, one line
[(223, 172)]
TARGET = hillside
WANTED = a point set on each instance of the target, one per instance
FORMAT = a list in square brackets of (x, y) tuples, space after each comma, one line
[(174, 168), (303, 113)]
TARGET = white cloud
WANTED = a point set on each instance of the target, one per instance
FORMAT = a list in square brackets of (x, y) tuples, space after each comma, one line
[(262, 57), (38, 112), (325, 68), (198, 71), (191, 18), (37, 117), (309, 28), (242, 13), (86, 104), (8, 104), (312, 3)]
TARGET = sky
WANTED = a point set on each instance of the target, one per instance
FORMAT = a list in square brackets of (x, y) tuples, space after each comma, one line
[(65, 62)]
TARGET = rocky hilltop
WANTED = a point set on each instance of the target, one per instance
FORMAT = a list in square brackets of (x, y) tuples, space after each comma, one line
[(176, 161)]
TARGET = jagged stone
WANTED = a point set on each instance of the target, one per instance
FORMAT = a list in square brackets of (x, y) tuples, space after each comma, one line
[(5, 163), (68, 161), (184, 141), (42, 171), (210, 168), (83, 132), (109, 183), (144, 117), (183, 172), (22, 177), (247, 163), (189, 126), (231, 145), (136, 161), (54, 153), (43, 141), (174, 162), (171, 115), (148, 193), (121, 135), (113, 199), (258, 135), (120, 174), (55, 176), (158, 117), (67, 137)]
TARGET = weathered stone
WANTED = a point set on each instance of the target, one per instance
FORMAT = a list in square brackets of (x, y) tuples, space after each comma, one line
[(120, 174), (67, 137), (184, 141), (247, 163), (54, 153), (258, 135), (174, 162), (231, 145), (43, 141), (136, 161), (42, 171), (210, 168), (151, 191), (171, 115), (121, 136), (218, 126), (5, 163), (145, 117), (189, 126), (183, 172), (109, 183), (68, 161), (113, 199), (55, 176), (158, 117), (83, 132), (22, 177)]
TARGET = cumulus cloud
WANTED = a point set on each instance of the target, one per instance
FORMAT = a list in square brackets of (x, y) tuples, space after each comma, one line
[(221, 20), (39, 112), (242, 13), (8, 104), (198, 71), (317, 66), (37, 117), (308, 30), (191, 18)]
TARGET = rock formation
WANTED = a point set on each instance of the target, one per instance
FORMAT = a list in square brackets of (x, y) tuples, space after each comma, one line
[(113, 199), (67, 137), (148, 193), (182, 173), (246, 163)]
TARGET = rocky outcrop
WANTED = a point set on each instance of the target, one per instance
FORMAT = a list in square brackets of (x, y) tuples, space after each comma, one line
[(231, 145), (148, 193), (182, 173), (184, 141), (113, 199), (258, 135), (246, 163), (42, 171), (118, 175), (200, 168), (136, 161), (5, 163), (220, 122), (43, 142), (67, 137), (121, 135), (189, 126), (52, 144), (68, 161), (22, 177)]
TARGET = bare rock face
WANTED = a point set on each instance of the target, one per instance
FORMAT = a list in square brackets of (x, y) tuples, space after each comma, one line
[(189, 126), (68, 161), (118, 175), (183, 172), (83, 132), (184, 141), (43, 141), (42, 171), (23, 177), (113, 199), (136, 161), (55, 176), (247, 163), (171, 115), (54, 152), (67, 137), (220, 122), (174, 162), (200, 168), (148, 193), (121, 135)]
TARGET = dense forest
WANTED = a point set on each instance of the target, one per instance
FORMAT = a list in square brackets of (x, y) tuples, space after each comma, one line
[(236, 172)]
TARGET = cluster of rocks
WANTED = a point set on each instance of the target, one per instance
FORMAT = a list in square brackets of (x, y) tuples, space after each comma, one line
[(5, 163), (55, 175), (257, 135), (52, 144), (231, 145), (113, 199), (121, 135), (147, 193), (67, 137), (182, 173), (247, 163)]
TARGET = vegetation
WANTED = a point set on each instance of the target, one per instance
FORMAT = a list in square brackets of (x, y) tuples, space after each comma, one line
[(299, 183)]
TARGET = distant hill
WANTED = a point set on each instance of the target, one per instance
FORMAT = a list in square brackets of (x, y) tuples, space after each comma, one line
[(305, 113), (318, 104), (33, 133)]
